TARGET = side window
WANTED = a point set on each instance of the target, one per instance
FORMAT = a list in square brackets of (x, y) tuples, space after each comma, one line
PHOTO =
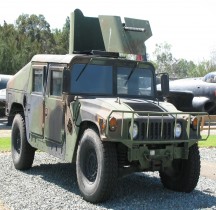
[(37, 81), (56, 83)]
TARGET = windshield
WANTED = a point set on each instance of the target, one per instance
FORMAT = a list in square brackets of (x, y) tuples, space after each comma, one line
[(122, 81), (134, 81), (92, 79)]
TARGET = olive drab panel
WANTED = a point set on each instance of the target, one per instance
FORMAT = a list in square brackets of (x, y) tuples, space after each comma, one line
[(128, 37), (36, 100), (108, 33), (54, 106), (85, 33)]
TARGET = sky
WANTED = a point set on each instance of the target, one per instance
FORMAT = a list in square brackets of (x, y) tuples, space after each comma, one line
[(189, 26)]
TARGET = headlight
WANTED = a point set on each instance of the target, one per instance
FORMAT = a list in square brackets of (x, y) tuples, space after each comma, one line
[(177, 130), (133, 131)]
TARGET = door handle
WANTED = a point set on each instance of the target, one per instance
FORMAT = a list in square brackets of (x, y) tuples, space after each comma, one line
[(46, 112)]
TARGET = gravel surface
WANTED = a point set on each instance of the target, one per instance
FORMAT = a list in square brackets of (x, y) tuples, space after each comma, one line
[(208, 154), (51, 185)]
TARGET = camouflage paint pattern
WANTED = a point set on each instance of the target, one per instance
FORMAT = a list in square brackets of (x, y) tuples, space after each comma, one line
[(54, 122)]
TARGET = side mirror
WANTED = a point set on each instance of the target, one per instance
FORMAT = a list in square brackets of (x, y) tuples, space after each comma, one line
[(66, 81), (165, 84)]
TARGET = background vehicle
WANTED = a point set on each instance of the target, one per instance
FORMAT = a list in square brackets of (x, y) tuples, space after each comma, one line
[(3, 83), (194, 94), (101, 110)]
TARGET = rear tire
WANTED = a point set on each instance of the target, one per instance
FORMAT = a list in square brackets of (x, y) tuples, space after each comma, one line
[(185, 173), (96, 167), (22, 152)]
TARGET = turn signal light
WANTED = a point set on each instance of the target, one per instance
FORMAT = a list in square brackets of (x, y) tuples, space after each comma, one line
[(194, 123), (102, 124), (113, 124)]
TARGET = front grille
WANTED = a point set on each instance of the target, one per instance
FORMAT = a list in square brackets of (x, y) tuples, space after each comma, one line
[(154, 131)]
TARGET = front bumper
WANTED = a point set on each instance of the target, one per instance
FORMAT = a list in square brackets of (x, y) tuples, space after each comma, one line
[(156, 145), (154, 127)]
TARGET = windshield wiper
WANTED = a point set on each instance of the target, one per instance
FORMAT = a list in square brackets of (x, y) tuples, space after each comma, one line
[(132, 71), (82, 70)]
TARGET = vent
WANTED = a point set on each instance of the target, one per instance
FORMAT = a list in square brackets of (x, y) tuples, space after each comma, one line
[(145, 107)]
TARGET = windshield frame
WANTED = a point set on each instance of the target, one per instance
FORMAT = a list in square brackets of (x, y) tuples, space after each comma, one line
[(115, 63)]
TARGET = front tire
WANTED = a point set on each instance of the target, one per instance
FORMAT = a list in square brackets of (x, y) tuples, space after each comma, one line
[(96, 167), (185, 174), (22, 152)]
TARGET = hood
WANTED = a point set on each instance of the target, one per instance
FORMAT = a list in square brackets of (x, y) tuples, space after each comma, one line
[(102, 107)]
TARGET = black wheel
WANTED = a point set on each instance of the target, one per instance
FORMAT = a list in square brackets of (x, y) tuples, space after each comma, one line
[(22, 152), (184, 175), (96, 167)]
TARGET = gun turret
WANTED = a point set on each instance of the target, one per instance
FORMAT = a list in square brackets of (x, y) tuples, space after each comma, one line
[(108, 33)]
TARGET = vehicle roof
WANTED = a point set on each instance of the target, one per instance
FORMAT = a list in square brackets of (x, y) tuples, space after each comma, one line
[(53, 58)]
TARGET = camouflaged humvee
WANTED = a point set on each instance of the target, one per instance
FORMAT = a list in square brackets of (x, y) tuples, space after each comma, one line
[(101, 110)]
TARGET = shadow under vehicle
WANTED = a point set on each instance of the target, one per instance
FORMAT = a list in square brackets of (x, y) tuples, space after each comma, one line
[(99, 109)]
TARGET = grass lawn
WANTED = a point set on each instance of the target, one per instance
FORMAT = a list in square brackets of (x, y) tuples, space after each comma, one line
[(5, 144), (211, 142)]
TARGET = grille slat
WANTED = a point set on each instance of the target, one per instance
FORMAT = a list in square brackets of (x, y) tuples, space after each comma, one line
[(155, 131)]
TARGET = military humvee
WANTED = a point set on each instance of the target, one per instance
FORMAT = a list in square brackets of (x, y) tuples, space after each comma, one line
[(101, 110)]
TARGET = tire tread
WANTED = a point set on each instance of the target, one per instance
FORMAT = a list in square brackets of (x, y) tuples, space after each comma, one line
[(190, 174)]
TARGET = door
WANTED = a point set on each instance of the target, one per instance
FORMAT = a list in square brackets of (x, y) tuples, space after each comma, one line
[(36, 106), (54, 106)]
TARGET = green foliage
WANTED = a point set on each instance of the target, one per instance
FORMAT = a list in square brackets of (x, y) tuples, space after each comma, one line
[(180, 68), (62, 38), (34, 37), (8, 49), (203, 68), (30, 35), (164, 58)]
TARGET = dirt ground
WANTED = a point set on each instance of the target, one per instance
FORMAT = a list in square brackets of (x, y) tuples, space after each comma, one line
[(208, 169), (3, 206)]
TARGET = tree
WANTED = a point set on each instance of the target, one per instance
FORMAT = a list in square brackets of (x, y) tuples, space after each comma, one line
[(62, 38), (163, 58), (8, 49), (165, 62), (29, 36), (203, 68), (183, 68), (37, 31)]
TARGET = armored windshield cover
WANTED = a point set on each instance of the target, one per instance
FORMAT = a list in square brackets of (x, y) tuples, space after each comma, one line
[(108, 33)]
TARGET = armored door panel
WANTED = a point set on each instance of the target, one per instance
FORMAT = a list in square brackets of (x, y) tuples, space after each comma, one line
[(126, 38), (54, 113), (36, 114), (53, 119), (36, 101)]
